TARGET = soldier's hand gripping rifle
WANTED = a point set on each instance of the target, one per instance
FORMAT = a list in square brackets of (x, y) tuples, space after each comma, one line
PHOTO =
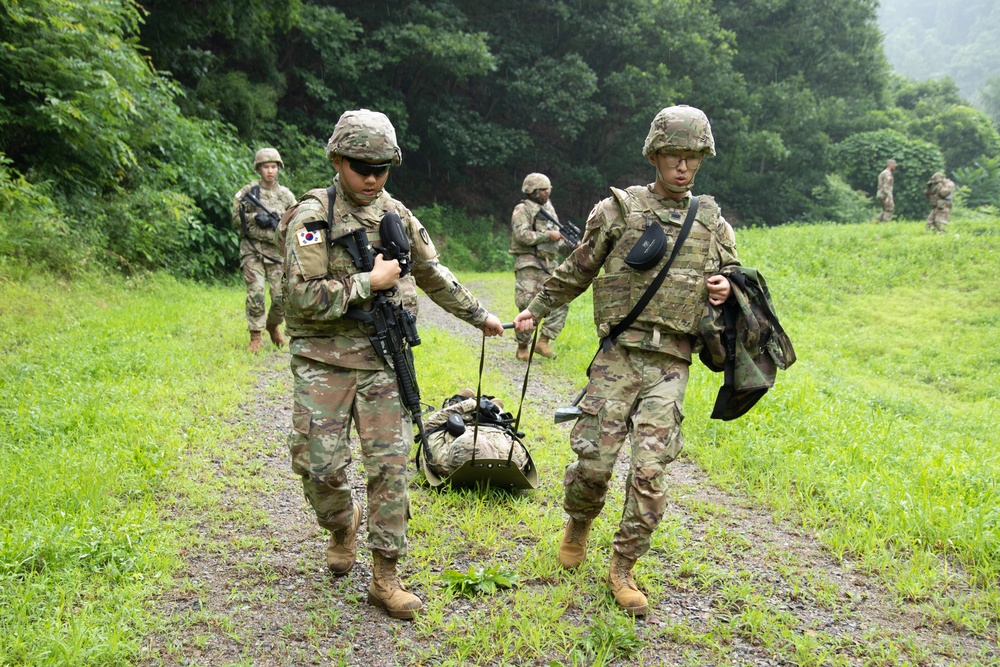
[(265, 218), (569, 231), (392, 329)]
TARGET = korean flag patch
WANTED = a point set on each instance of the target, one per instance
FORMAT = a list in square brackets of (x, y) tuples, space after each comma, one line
[(307, 237)]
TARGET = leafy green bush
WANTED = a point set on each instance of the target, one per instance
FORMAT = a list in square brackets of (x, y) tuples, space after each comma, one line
[(467, 243), (83, 110), (862, 156), (836, 201), (980, 183), (32, 229)]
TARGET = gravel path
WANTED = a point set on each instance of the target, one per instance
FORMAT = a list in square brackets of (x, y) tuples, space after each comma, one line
[(251, 591)]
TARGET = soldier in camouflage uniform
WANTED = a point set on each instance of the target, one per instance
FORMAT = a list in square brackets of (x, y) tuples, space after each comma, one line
[(884, 193), (538, 246), (338, 377), (940, 191), (259, 255), (448, 450), (637, 382)]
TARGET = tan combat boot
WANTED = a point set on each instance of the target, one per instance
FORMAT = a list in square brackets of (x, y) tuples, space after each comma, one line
[(573, 548), (388, 592), (543, 348), (342, 551), (627, 594), (522, 352), (275, 333), (255, 342)]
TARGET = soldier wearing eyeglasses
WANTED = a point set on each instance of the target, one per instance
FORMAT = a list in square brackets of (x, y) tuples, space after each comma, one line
[(337, 376), (637, 381)]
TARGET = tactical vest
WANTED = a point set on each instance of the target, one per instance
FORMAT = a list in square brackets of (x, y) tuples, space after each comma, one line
[(338, 264), (543, 255), (677, 307), (277, 200)]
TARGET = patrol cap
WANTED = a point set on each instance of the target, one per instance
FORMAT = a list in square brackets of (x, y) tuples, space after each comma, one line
[(535, 181), (267, 155), (365, 135), (682, 128)]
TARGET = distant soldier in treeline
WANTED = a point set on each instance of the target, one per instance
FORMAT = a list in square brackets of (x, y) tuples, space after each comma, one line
[(940, 191), (538, 245), (884, 193), (260, 258)]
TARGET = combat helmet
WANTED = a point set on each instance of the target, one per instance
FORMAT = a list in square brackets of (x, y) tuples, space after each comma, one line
[(535, 181), (680, 128), (365, 135), (267, 155)]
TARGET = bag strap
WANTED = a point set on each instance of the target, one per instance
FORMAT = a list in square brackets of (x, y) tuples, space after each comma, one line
[(647, 296)]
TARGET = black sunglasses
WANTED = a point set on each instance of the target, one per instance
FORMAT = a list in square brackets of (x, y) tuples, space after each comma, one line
[(367, 168)]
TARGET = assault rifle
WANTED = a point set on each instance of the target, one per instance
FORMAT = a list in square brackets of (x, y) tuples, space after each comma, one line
[(392, 329), (272, 218), (569, 231)]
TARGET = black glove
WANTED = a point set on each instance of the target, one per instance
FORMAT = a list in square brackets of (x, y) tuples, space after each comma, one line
[(264, 220)]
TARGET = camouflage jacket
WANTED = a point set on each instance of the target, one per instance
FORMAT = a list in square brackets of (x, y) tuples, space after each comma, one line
[(277, 200), (321, 282), (670, 320), (884, 184), (940, 192), (529, 236)]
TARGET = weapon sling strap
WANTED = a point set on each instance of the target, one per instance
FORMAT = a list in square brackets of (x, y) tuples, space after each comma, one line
[(479, 397), (627, 321)]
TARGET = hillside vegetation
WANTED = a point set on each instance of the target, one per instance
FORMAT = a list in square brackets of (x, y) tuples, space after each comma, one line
[(122, 398)]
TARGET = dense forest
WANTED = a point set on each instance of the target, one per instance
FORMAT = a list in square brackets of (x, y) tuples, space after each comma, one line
[(126, 127)]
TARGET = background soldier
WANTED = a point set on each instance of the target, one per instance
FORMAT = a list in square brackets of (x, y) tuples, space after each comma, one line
[(940, 191), (537, 244), (259, 255), (338, 377), (637, 382), (884, 193)]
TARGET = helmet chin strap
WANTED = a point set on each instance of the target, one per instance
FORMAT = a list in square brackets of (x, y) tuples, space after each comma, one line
[(677, 189)]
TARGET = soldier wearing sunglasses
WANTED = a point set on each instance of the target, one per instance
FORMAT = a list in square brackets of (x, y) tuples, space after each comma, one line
[(338, 378)]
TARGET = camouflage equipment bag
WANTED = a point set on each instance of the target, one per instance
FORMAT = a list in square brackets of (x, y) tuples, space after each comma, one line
[(744, 340)]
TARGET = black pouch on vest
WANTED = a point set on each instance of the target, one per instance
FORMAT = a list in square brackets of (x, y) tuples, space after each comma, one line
[(649, 249)]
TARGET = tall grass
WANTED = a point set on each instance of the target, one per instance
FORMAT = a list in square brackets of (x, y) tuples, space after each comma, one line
[(104, 382), (884, 435)]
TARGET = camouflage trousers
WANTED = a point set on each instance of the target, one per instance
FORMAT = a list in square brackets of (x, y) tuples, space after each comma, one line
[(259, 274), (939, 216), (888, 207), (327, 399), (527, 283), (634, 395)]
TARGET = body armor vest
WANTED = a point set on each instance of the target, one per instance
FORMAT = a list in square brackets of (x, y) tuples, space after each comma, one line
[(545, 255), (677, 307), (339, 264)]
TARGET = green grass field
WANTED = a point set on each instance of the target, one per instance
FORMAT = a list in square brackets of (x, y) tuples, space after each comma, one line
[(881, 440)]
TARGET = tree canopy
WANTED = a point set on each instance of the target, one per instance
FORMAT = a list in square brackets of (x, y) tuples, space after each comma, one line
[(138, 121)]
